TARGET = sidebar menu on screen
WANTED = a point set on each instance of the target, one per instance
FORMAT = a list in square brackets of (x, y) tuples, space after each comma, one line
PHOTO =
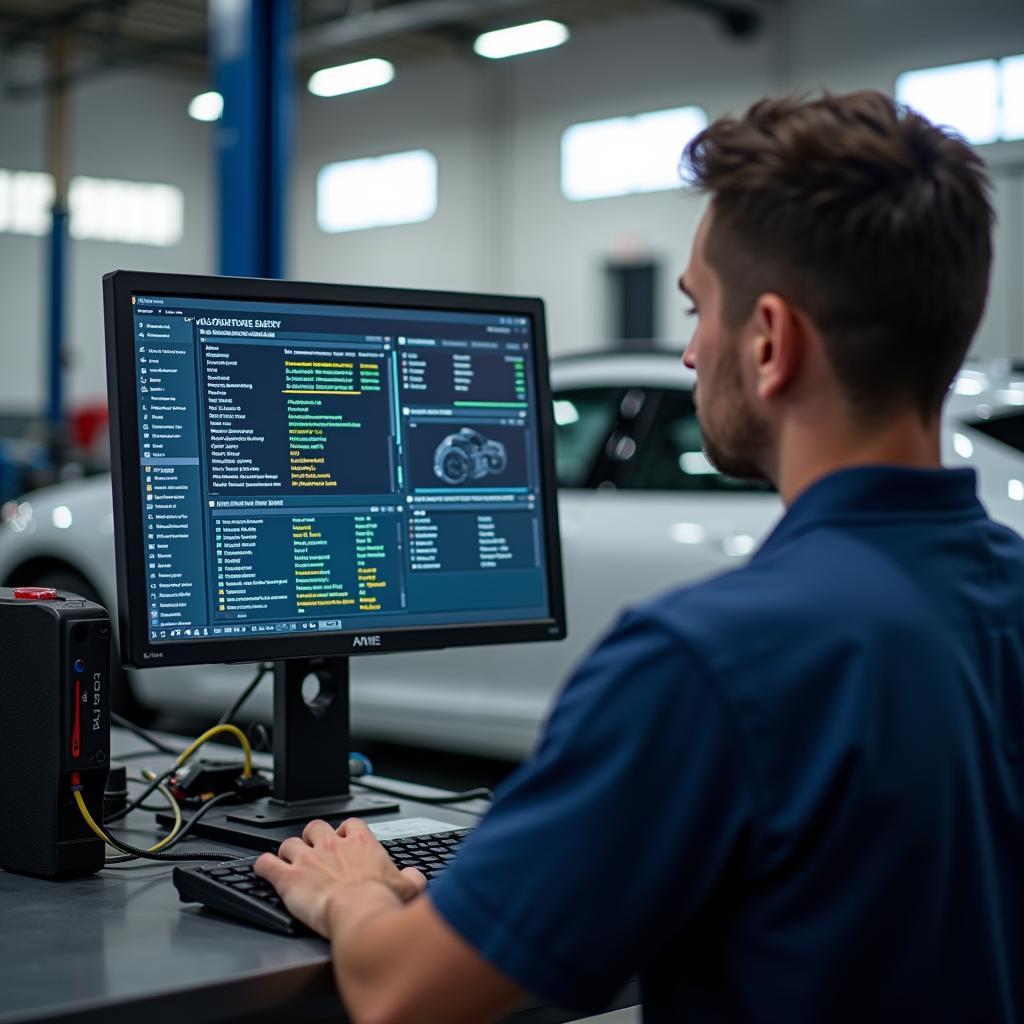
[(173, 519)]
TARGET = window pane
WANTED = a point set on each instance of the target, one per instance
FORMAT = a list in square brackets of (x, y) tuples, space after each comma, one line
[(1013, 98), (623, 155), (1008, 429), (100, 208), (357, 194), (671, 456), (583, 419), (31, 197), (111, 210), (963, 96)]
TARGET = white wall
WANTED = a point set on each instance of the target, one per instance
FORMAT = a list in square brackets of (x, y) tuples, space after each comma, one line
[(502, 224)]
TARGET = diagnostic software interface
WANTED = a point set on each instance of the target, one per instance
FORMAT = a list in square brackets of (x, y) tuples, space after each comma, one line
[(327, 467)]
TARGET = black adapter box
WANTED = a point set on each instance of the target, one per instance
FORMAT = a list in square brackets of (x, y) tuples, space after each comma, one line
[(54, 730)]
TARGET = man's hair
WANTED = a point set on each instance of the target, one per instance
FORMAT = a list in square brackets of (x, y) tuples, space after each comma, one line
[(873, 221)]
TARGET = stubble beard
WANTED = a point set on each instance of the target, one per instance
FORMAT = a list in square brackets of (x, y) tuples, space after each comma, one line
[(736, 444)]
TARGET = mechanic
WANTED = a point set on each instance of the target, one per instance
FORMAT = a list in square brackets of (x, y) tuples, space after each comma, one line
[(794, 792)]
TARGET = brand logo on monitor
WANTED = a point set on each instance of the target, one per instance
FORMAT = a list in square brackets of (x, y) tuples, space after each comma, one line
[(366, 641)]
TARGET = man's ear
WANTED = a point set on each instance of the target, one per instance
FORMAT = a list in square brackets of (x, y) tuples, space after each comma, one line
[(779, 344)]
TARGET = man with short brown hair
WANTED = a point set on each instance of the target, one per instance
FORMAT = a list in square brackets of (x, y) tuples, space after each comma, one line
[(794, 792)]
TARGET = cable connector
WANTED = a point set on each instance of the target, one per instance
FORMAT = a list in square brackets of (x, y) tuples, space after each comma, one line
[(251, 788), (76, 783)]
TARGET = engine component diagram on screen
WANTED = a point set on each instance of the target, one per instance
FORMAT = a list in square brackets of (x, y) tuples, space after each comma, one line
[(468, 455)]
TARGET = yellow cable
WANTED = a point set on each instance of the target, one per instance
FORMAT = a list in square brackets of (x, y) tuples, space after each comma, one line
[(209, 734), (169, 797), (232, 730), (91, 822)]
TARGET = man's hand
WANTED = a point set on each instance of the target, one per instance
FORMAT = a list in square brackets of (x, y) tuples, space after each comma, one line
[(328, 876)]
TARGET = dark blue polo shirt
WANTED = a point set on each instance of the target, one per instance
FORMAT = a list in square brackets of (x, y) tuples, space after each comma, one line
[(792, 793)]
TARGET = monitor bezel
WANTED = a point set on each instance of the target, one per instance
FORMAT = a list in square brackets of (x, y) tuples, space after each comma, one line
[(136, 648)]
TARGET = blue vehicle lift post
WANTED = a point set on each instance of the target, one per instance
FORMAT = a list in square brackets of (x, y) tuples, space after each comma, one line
[(250, 48), (57, 256)]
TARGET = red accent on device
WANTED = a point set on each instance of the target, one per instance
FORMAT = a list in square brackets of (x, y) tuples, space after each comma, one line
[(35, 593), (76, 731)]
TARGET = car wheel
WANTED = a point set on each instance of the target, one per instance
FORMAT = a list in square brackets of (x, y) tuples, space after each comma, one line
[(122, 699)]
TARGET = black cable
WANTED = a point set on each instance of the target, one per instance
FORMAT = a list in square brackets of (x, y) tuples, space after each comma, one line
[(244, 696), (220, 798), (141, 798), (143, 735), (160, 854), (134, 755), (454, 798)]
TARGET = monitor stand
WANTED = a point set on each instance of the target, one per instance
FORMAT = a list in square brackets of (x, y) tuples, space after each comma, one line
[(311, 747)]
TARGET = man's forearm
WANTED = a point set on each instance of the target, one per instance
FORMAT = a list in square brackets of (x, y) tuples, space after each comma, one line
[(398, 963), (362, 962)]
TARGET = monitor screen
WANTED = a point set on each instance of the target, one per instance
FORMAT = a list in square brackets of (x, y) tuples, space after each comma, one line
[(303, 469)]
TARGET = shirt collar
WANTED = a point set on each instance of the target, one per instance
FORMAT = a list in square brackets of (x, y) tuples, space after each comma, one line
[(881, 493)]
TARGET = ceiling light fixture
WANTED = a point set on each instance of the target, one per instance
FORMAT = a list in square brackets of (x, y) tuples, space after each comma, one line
[(207, 106), (510, 42), (345, 78)]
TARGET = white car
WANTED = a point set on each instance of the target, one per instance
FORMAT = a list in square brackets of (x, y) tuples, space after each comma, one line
[(641, 511)]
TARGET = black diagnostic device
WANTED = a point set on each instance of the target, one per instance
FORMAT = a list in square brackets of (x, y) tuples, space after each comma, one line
[(54, 730)]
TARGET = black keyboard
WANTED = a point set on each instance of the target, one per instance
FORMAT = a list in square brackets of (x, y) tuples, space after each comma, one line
[(233, 888)]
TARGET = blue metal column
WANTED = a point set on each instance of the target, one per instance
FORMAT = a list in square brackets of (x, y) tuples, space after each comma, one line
[(57, 255), (250, 42)]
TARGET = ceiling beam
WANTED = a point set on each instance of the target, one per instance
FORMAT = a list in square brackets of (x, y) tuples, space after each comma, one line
[(32, 28), (399, 19), (116, 53)]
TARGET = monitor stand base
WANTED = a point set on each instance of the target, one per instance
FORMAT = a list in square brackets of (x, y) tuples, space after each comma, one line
[(264, 824)]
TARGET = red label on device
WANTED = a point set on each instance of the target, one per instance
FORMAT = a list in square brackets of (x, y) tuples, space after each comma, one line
[(76, 731)]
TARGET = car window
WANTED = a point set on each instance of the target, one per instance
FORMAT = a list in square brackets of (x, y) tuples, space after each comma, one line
[(670, 456), (1008, 429), (583, 419)]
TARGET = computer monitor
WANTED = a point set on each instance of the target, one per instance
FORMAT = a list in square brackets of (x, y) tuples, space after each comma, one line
[(303, 472)]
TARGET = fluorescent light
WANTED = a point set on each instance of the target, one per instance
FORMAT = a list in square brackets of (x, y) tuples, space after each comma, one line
[(1015, 490), (207, 106), (363, 74), (510, 42), (400, 188), (61, 517)]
